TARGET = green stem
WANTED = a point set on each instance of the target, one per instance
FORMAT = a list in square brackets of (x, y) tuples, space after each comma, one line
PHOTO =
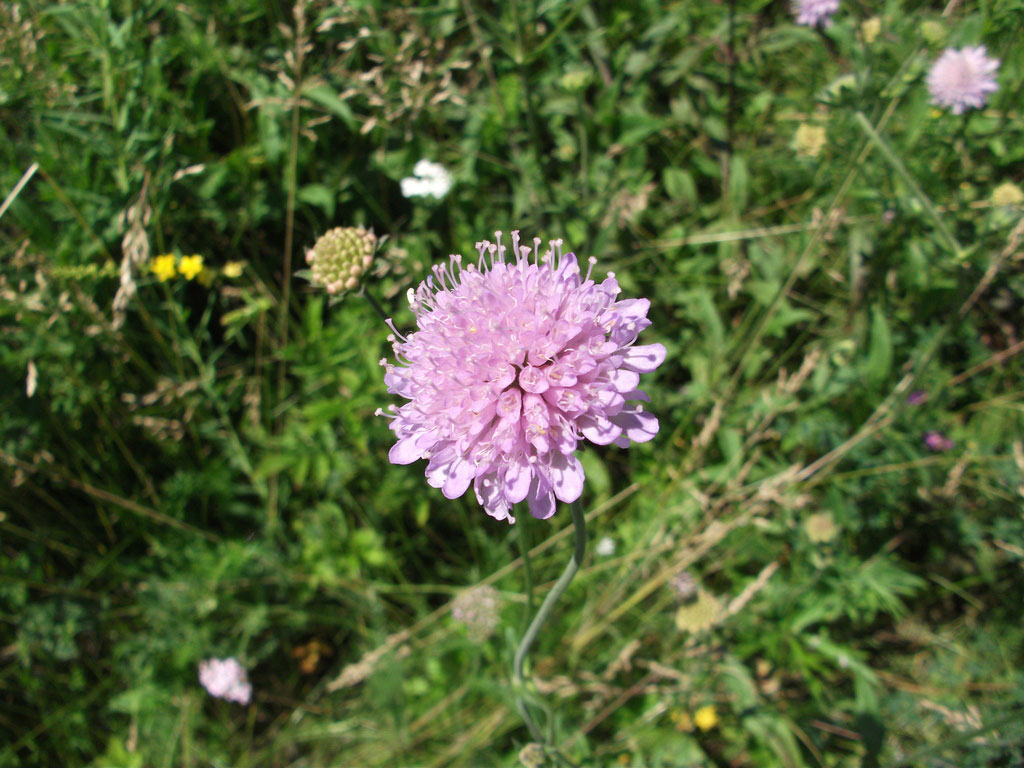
[(373, 303), (580, 544), (524, 547), (901, 169)]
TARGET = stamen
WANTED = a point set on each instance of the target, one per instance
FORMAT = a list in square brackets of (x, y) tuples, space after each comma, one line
[(391, 324)]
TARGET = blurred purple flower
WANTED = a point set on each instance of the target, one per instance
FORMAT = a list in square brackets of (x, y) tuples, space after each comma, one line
[(815, 13), (937, 442), (513, 362), (225, 679), (917, 397), (963, 78)]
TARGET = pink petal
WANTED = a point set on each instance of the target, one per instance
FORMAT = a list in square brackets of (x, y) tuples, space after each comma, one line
[(460, 474), (541, 499), (567, 477), (644, 359), (410, 448), (639, 426), (597, 429), (518, 475)]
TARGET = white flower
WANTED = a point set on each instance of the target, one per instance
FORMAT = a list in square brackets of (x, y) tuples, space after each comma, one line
[(606, 546), (428, 180), (225, 679)]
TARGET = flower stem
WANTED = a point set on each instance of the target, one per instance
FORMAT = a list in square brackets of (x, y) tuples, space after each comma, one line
[(580, 544), (373, 303), (524, 546)]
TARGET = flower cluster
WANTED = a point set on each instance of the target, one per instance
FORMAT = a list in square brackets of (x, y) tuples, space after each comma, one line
[(514, 361), (428, 180), (963, 78), (225, 679), (815, 13), (339, 258)]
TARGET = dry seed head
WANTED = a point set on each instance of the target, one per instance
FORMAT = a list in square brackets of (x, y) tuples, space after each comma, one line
[(478, 609), (340, 257)]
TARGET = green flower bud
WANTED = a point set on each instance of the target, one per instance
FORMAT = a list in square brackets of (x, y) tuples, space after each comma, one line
[(340, 257)]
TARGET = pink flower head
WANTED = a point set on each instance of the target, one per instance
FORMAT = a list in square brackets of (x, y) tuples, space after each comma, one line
[(815, 13), (962, 79), (917, 397), (514, 361), (937, 442), (225, 679)]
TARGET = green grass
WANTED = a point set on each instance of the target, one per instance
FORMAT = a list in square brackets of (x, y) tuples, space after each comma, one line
[(200, 473)]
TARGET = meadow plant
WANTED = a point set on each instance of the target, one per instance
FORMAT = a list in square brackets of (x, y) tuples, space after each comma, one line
[(340, 257), (963, 78), (514, 361), (478, 609), (816, 573), (937, 442), (512, 364), (815, 13), (225, 679), (428, 180)]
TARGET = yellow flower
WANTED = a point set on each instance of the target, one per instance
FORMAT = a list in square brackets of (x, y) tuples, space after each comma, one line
[(233, 269), (809, 140), (700, 615), (163, 267), (821, 527), (190, 266), (870, 28), (705, 718), (1007, 193)]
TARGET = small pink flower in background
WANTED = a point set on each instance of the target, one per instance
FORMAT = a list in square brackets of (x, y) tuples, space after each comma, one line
[(963, 78), (225, 679), (917, 397), (937, 442), (514, 361), (815, 13)]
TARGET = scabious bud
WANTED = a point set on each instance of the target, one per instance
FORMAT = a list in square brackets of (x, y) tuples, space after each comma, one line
[(340, 256), (532, 756)]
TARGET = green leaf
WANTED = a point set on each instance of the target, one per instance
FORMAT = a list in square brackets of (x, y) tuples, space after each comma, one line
[(880, 352), (325, 96), (318, 195), (679, 185)]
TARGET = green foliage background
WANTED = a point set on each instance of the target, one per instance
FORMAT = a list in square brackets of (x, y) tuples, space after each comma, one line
[(208, 478)]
